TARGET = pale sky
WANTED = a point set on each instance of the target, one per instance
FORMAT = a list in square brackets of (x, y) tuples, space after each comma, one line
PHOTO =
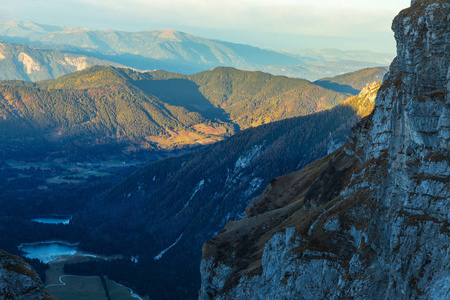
[(276, 24)]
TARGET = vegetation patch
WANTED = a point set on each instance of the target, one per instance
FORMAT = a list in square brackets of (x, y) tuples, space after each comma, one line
[(436, 156)]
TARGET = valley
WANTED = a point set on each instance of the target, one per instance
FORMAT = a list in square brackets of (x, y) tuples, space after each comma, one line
[(38, 183), (65, 286), (181, 201), (87, 183)]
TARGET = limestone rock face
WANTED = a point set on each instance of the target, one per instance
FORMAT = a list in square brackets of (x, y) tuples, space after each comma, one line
[(18, 280), (372, 219), (22, 62)]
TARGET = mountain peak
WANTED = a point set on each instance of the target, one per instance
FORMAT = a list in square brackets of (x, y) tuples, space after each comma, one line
[(95, 76), (170, 34)]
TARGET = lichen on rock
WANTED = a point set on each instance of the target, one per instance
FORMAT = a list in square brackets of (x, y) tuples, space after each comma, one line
[(18, 280)]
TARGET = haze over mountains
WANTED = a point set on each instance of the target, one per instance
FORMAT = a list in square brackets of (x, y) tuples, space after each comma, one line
[(352, 82), (180, 52)]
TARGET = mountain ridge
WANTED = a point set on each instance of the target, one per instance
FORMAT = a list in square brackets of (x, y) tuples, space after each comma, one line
[(175, 110), (184, 53)]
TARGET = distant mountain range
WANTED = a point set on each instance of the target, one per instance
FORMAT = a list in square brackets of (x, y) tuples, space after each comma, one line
[(180, 52), (153, 110), (353, 82), (311, 55)]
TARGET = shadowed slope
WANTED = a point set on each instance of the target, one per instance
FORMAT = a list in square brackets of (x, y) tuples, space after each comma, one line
[(184, 200)]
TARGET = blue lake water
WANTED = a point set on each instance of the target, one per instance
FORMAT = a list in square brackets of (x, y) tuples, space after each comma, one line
[(48, 251), (64, 221), (52, 250)]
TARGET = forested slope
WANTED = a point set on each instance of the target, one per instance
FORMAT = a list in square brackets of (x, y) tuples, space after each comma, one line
[(187, 199)]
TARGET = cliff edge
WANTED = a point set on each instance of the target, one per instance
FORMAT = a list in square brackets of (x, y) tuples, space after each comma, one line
[(372, 219), (18, 280)]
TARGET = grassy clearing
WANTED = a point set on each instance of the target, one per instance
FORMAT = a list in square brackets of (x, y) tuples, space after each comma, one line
[(88, 174), (182, 138), (80, 287), (59, 180)]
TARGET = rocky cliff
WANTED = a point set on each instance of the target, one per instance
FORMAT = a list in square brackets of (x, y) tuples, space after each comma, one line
[(370, 220), (24, 62), (19, 281)]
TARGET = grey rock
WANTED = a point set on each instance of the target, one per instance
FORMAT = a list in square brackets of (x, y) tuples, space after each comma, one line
[(19, 281), (386, 235)]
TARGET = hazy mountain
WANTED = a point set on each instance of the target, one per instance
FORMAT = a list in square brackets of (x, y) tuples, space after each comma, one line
[(316, 70), (353, 82), (176, 51), (22, 62), (328, 63), (158, 49), (321, 55), (21, 31), (186, 199)]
